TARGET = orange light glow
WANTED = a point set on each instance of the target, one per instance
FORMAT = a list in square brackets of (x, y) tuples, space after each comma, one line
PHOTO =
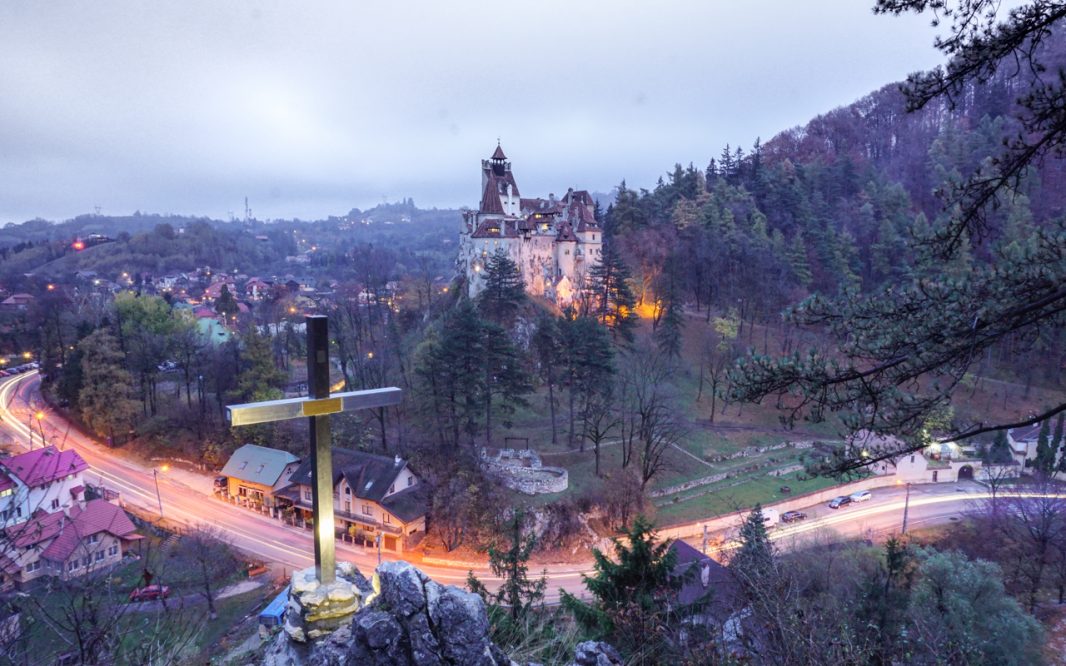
[(39, 416), (78, 245)]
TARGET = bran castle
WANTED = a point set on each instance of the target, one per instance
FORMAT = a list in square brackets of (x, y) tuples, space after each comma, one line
[(554, 242)]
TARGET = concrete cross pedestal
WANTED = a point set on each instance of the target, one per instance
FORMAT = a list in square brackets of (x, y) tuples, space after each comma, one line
[(319, 599)]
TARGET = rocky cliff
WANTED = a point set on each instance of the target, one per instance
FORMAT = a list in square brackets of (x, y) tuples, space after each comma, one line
[(413, 621)]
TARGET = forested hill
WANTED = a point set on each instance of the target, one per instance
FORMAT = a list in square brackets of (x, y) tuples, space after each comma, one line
[(831, 204), (157, 244)]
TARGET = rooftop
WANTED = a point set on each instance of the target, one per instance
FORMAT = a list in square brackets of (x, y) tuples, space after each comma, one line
[(43, 466)]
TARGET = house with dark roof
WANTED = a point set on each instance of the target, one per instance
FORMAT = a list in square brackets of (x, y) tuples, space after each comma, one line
[(1023, 442), (83, 540), (554, 242), (709, 599), (372, 496), (42, 479), (254, 473)]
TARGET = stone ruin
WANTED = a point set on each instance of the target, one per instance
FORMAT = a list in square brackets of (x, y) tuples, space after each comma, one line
[(522, 470)]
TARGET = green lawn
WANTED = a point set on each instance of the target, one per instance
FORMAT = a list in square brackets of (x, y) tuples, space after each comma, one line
[(722, 499)]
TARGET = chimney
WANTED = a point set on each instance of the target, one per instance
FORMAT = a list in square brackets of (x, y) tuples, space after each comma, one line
[(705, 574), (399, 461)]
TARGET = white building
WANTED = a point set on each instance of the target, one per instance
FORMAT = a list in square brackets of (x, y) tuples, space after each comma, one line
[(43, 479), (554, 242)]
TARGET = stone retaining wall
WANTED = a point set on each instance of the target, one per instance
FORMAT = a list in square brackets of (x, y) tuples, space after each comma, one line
[(522, 470)]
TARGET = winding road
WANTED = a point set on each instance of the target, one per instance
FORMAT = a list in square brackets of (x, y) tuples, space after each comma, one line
[(187, 498)]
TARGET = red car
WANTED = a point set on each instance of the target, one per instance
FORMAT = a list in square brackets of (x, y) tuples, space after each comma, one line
[(150, 593)]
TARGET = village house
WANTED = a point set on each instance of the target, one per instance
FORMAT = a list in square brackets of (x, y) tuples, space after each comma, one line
[(254, 473), (1023, 442), (43, 479), (83, 540), (17, 302), (372, 495)]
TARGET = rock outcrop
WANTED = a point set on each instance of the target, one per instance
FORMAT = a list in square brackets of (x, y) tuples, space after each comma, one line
[(410, 620)]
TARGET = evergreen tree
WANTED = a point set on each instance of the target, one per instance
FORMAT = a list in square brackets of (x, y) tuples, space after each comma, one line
[(754, 558), (797, 260), (1058, 445), (451, 370), (507, 383), (226, 305), (631, 591), (517, 594), (1045, 453), (259, 377), (504, 291), (611, 299), (547, 350), (1000, 453)]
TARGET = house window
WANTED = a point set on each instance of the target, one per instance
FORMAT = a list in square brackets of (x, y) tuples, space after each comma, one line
[(94, 538), (99, 555), (242, 491), (386, 517), (410, 481), (347, 490), (72, 565), (347, 507), (367, 511), (33, 566), (87, 560), (113, 550), (307, 494), (55, 504)]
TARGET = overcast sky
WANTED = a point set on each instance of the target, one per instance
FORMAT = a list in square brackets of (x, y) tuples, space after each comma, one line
[(311, 108)]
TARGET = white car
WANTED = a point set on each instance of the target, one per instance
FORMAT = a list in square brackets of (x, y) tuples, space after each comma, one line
[(861, 496)]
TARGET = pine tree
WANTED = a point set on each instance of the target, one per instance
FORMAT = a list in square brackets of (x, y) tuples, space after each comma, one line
[(504, 291), (754, 558), (1000, 452), (1045, 453), (797, 260), (226, 304), (631, 591), (611, 299), (1058, 445), (507, 383), (259, 377), (547, 350), (517, 594)]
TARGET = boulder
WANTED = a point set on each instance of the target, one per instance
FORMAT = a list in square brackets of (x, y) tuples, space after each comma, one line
[(596, 653)]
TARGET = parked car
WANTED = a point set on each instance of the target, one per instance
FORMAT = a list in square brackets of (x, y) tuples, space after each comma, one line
[(793, 516), (770, 517), (150, 593), (838, 502), (861, 496)]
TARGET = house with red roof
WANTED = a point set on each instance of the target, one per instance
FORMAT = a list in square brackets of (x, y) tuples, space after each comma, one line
[(86, 539), (554, 242), (44, 479)]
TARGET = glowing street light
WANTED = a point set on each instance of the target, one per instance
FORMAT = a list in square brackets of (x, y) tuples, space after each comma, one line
[(27, 355)]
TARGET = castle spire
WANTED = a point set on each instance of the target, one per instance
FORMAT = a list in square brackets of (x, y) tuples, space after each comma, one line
[(498, 156)]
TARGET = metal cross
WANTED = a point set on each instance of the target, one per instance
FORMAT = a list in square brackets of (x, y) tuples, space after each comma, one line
[(317, 407)]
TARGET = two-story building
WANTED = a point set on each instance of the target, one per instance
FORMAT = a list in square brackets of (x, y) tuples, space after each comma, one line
[(45, 479), (254, 473), (86, 539), (372, 495)]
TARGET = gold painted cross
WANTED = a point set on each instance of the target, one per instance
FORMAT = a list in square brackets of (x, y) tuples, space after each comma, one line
[(317, 407)]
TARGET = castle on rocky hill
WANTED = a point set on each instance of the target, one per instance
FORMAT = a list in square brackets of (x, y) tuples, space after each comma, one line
[(554, 242)]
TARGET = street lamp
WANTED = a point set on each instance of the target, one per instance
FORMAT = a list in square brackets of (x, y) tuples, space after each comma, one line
[(906, 507), (158, 497)]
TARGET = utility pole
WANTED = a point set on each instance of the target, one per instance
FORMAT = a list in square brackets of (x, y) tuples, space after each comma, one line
[(906, 508), (158, 497)]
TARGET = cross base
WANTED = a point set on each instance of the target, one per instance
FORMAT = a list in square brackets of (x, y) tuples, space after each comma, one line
[(317, 609)]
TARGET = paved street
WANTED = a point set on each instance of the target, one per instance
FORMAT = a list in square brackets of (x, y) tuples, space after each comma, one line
[(187, 498)]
